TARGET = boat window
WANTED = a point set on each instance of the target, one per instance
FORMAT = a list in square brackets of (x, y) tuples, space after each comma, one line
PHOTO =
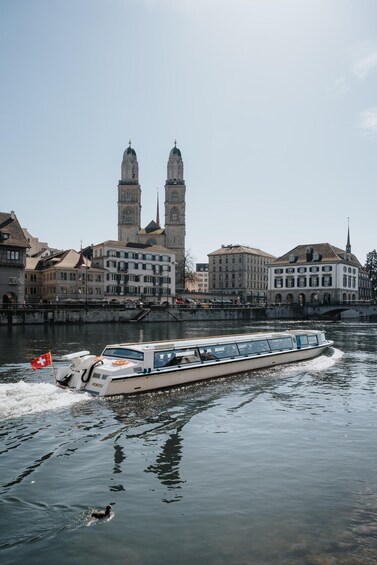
[(250, 347), (302, 340), (279, 343), (214, 352), (124, 353), (172, 357), (313, 340)]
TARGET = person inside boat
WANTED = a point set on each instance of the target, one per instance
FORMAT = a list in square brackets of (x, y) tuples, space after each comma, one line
[(206, 355)]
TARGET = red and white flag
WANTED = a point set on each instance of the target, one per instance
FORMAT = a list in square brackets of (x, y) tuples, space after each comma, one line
[(41, 361)]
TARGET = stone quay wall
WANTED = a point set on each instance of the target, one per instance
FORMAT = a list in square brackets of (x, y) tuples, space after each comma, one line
[(56, 315), (53, 314)]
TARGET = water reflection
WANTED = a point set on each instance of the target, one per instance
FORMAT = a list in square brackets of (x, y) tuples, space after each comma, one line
[(162, 417), (167, 463)]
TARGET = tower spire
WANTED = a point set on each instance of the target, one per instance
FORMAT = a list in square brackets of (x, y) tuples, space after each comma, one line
[(158, 212), (348, 246)]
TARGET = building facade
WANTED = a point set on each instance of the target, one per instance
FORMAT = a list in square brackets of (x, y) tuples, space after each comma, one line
[(66, 276), (316, 273), (240, 271), (136, 271), (13, 249), (172, 236)]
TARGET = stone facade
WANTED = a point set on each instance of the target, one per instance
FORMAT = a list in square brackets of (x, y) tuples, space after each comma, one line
[(13, 248), (239, 271), (136, 271), (66, 276), (172, 236), (316, 273)]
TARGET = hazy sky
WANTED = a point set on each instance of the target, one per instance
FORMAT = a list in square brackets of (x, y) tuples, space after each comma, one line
[(273, 104)]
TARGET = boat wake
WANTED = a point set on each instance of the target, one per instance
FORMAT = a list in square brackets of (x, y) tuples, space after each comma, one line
[(22, 398), (319, 364)]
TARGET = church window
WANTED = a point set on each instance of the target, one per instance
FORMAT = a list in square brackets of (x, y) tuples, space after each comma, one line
[(174, 216), (128, 216), (174, 197)]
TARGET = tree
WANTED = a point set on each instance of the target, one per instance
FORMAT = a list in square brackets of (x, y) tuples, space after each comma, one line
[(371, 269), (190, 274)]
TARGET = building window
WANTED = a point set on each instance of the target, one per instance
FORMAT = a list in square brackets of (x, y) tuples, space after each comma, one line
[(12, 255), (128, 216), (174, 216)]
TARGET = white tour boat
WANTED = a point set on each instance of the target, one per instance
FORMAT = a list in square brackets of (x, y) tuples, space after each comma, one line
[(130, 368)]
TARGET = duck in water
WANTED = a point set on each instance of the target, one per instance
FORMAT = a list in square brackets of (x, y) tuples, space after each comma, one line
[(101, 513)]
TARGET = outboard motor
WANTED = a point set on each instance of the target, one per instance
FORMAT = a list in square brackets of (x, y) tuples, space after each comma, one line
[(77, 375)]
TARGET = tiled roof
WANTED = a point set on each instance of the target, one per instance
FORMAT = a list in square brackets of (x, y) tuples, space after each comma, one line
[(233, 249), (10, 225), (326, 252)]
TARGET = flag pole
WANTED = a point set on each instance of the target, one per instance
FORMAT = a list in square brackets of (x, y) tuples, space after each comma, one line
[(53, 366)]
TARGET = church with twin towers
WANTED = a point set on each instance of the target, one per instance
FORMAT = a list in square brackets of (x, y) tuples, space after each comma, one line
[(172, 235)]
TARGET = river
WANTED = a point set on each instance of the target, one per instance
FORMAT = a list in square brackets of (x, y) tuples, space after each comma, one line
[(273, 467)]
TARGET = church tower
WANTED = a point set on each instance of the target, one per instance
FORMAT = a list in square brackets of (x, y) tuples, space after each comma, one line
[(175, 213), (129, 198)]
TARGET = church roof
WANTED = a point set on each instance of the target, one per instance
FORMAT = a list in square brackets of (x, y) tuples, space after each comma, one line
[(148, 230), (175, 151), (130, 151), (151, 227)]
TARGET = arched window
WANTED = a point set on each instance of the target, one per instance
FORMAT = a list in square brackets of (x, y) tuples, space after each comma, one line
[(289, 298), (174, 216), (128, 217), (174, 197), (327, 298), (278, 299)]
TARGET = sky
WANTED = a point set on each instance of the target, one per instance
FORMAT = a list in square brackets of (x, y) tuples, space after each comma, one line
[(273, 104)]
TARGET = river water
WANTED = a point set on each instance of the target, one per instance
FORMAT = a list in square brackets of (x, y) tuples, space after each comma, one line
[(272, 467)]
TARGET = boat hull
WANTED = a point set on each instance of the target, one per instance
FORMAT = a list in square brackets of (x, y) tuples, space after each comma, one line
[(126, 385), (189, 375)]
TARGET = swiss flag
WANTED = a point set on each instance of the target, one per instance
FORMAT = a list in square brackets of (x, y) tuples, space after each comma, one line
[(41, 361)]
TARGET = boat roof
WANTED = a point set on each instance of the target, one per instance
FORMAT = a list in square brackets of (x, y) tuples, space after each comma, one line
[(207, 341)]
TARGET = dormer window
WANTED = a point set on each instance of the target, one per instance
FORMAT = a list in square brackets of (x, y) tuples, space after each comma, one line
[(4, 235)]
